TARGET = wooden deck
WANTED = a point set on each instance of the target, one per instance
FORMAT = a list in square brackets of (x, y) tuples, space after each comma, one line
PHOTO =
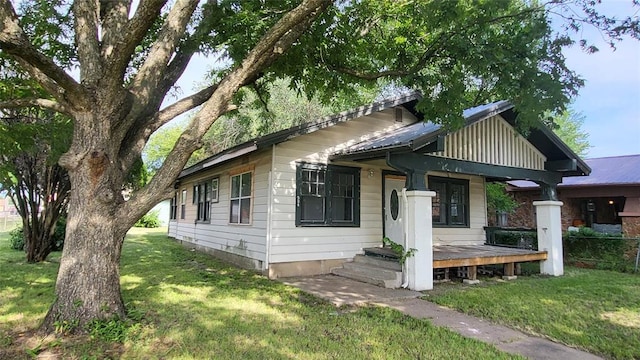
[(471, 256), (445, 256)]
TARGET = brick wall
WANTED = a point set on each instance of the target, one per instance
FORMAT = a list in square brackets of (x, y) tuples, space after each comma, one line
[(631, 226), (525, 214)]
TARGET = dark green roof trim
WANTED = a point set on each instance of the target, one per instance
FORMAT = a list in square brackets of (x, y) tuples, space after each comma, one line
[(420, 165), (409, 101)]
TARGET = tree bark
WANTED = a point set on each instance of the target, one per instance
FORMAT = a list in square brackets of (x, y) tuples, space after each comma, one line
[(88, 283)]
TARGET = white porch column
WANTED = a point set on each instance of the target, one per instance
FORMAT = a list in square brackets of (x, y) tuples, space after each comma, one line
[(549, 223), (419, 267)]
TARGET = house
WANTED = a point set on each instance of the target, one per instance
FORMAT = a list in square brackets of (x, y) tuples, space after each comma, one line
[(312, 198), (7, 208), (608, 200)]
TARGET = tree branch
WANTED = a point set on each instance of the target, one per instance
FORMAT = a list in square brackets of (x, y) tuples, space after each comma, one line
[(150, 74), (121, 36), (275, 42), (43, 103), (14, 41), (87, 42)]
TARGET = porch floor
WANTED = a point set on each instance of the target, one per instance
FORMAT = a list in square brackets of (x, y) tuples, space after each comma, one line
[(446, 256)]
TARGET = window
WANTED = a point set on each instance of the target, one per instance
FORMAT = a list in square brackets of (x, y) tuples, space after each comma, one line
[(204, 194), (214, 190), (240, 199), (183, 204), (173, 207), (450, 206), (327, 195)]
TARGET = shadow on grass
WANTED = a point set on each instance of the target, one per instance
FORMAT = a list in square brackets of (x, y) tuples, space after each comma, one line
[(193, 306), (598, 311), (196, 306)]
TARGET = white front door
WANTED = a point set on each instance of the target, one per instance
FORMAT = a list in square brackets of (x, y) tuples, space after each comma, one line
[(394, 208)]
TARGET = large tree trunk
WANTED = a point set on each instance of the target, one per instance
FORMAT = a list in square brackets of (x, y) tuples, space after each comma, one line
[(88, 283)]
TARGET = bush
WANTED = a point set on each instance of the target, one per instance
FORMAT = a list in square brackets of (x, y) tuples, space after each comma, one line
[(16, 238), (59, 234), (149, 220), (589, 248), (517, 239)]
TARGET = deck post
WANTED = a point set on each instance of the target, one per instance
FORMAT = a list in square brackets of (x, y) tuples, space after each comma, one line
[(420, 237), (549, 224)]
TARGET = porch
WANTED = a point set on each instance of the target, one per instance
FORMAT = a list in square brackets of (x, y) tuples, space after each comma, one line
[(466, 259)]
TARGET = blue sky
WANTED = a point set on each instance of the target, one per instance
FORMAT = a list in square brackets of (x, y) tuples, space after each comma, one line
[(610, 99)]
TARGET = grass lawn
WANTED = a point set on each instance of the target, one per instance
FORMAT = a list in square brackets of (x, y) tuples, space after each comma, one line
[(190, 306), (596, 310)]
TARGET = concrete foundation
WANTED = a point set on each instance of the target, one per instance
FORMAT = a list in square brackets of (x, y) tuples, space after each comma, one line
[(237, 260), (303, 268)]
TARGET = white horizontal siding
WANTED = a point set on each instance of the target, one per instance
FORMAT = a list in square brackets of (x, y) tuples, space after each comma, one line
[(474, 234), (291, 243), (244, 240), (172, 231)]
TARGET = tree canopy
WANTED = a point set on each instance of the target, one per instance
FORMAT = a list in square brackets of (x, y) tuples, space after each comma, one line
[(110, 66), (568, 127)]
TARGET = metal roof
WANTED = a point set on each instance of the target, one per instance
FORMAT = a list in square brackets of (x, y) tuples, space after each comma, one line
[(408, 100), (415, 136), (614, 170)]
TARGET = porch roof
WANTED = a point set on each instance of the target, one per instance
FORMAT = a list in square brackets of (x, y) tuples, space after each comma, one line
[(416, 136), (425, 138)]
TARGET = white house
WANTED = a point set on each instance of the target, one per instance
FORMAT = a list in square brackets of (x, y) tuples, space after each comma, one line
[(309, 199)]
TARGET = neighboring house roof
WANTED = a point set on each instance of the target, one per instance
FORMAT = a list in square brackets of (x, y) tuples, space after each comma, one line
[(408, 101), (605, 171)]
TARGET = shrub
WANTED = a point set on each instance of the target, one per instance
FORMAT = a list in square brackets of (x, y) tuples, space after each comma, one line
[(149, 220), (517, 239), (59, 234), (602, 251), (16, 238)]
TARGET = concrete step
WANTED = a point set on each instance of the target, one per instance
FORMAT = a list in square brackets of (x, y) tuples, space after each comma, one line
[(370, 274), (378, 262)]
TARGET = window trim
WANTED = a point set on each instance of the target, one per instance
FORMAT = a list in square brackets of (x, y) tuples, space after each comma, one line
[(448, 182), (329, 170), (173, 207), (183, 204), (201, 190), (216, 180), (243, 171)]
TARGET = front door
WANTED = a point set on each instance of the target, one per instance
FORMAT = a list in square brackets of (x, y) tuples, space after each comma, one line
[(394, 208)]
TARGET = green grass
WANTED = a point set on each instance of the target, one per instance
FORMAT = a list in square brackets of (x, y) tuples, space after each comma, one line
[(191, 306), (596, 310)]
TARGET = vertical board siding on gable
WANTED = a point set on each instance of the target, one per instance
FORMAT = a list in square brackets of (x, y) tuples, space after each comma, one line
[(243, 240), (291, 243), (492, 141)]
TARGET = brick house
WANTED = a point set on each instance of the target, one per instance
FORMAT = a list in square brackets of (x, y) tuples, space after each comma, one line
[(610, 195)]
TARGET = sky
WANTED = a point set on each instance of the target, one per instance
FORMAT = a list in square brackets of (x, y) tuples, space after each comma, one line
[(610, 99)]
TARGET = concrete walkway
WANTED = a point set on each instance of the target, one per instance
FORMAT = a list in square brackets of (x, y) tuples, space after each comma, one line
[(342, 291)]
